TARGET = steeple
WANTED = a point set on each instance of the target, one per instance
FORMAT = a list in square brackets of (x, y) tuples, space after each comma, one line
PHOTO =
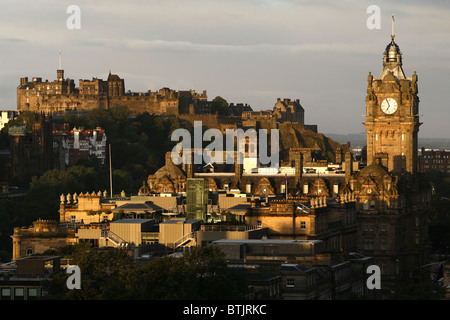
[(392, 58)]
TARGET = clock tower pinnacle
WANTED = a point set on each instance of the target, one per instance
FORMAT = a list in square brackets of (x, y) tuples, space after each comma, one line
[(392, 120)]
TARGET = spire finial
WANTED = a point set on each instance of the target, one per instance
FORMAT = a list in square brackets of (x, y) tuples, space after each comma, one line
[(393, 22)]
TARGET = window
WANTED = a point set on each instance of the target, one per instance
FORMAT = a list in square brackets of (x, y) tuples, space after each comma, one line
[(305, 189), (29, 252), (5, 294), (303, 225), (383, 243), (290, 282), (19, 294), (32, 293), (368, 243), (384, 268), (366, 205), (336, 188), (383, 227)]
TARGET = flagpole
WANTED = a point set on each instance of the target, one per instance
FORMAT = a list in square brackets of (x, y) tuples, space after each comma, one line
[(393, 21), (110, 171), (285, 179)]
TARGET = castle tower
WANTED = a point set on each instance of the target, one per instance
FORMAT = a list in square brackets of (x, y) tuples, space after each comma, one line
[(116, 85), (60, 75), (392, 120)]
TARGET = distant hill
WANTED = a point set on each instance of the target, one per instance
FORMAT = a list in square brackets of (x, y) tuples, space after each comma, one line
[(359, 140)]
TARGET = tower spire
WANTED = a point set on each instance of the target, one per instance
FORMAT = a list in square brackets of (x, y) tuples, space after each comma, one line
[(393, 23)]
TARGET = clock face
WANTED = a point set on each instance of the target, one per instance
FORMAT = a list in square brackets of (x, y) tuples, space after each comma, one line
[(389, 106)]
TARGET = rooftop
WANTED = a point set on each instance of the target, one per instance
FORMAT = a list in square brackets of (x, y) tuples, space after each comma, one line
[(135, 221), (269, 241)]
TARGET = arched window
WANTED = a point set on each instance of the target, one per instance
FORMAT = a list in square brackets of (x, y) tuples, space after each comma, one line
[(366, 205), (305, 188)]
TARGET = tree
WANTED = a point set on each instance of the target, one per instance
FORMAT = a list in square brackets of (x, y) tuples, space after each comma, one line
[(212, 278), (104, 276), (219, 105), (111, 274)]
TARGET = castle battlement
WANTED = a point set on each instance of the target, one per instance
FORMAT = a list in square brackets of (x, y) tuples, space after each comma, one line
[(61, 95)]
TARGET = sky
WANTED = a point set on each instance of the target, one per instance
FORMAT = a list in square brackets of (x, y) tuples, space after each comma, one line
[(246, 51)]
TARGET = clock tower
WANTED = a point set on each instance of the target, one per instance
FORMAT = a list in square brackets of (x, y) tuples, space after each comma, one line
[(392, 119)]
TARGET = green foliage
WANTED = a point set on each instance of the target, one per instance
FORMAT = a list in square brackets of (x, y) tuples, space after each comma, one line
[(219, 105), (137, 143), (26, 118), (111, 274)]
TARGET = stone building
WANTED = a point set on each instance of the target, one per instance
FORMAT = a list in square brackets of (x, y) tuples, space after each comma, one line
[(69, 146), (85, 208), (332, 221), (61, 96), (308, 271), (392, 198), (42, 236), (434, 160), (24, 278), (285, 110), (31, 149)]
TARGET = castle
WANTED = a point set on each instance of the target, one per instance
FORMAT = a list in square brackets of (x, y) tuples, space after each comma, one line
[(62, 96)]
